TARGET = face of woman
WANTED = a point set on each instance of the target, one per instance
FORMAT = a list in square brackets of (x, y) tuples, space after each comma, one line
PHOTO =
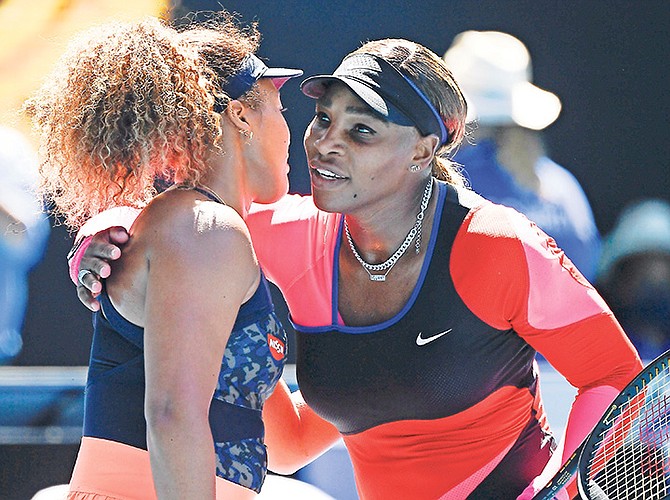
[(356, 159), (267, 150)]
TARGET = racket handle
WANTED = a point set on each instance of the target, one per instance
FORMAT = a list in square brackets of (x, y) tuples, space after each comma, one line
[(561, 479)]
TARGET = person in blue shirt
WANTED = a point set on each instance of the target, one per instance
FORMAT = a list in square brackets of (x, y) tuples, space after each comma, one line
[(506, 160), (24, 231), (634, 274)]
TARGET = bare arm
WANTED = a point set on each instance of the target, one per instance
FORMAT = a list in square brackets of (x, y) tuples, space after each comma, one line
[(196, 284), (294, 434)]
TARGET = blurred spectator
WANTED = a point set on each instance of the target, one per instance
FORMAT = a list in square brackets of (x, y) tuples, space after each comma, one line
[(507, 162), (24, 230), (634, 274)]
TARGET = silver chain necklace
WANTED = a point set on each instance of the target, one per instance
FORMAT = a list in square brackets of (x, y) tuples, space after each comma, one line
[(415, 232)]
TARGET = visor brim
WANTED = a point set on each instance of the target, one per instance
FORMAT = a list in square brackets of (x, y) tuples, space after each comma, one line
[(315, 87)]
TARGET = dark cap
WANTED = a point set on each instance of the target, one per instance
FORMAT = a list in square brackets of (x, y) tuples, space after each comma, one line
[(252, 70), (385, 89)]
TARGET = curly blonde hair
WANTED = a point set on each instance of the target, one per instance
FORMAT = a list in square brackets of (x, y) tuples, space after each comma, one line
[(130, 103), (431, 75)]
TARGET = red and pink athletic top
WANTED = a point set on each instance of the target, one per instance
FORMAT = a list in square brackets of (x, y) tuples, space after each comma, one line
[(442, 400)]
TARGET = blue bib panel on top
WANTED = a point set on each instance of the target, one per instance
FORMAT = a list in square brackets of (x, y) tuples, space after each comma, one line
[(251, 367)]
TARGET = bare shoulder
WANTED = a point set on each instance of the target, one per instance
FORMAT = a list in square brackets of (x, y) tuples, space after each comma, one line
[(181, 225)]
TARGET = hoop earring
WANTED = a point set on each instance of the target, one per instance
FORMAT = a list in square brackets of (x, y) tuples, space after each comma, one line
[(414, 168)]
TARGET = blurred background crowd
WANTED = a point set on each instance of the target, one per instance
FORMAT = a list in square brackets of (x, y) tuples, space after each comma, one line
[(570, 117)]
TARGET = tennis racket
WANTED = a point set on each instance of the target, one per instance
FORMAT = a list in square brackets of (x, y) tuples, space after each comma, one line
[(627, 455)]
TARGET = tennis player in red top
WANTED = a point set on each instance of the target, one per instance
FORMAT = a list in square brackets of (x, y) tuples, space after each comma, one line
[(419, 306)]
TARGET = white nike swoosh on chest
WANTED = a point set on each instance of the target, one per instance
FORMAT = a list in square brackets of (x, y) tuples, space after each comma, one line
[(423, 341)]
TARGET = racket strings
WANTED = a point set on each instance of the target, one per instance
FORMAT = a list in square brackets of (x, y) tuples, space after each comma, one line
[(631, 459)]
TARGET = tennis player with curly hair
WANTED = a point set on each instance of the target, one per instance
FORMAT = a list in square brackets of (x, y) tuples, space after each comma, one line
[(186, 346)]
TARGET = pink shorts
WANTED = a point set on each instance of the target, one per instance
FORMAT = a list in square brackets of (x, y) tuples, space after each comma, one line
[(107, 470)]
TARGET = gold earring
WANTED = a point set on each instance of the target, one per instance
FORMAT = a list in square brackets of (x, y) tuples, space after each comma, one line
[(248, 135)]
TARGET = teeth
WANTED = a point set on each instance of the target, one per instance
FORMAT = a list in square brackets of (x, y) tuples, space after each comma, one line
[(328, 174)]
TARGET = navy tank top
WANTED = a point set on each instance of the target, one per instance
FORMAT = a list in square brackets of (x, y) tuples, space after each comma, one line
[(251, 367)]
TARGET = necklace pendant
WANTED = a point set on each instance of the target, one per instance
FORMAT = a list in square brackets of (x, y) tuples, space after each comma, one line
[(415, 232)]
